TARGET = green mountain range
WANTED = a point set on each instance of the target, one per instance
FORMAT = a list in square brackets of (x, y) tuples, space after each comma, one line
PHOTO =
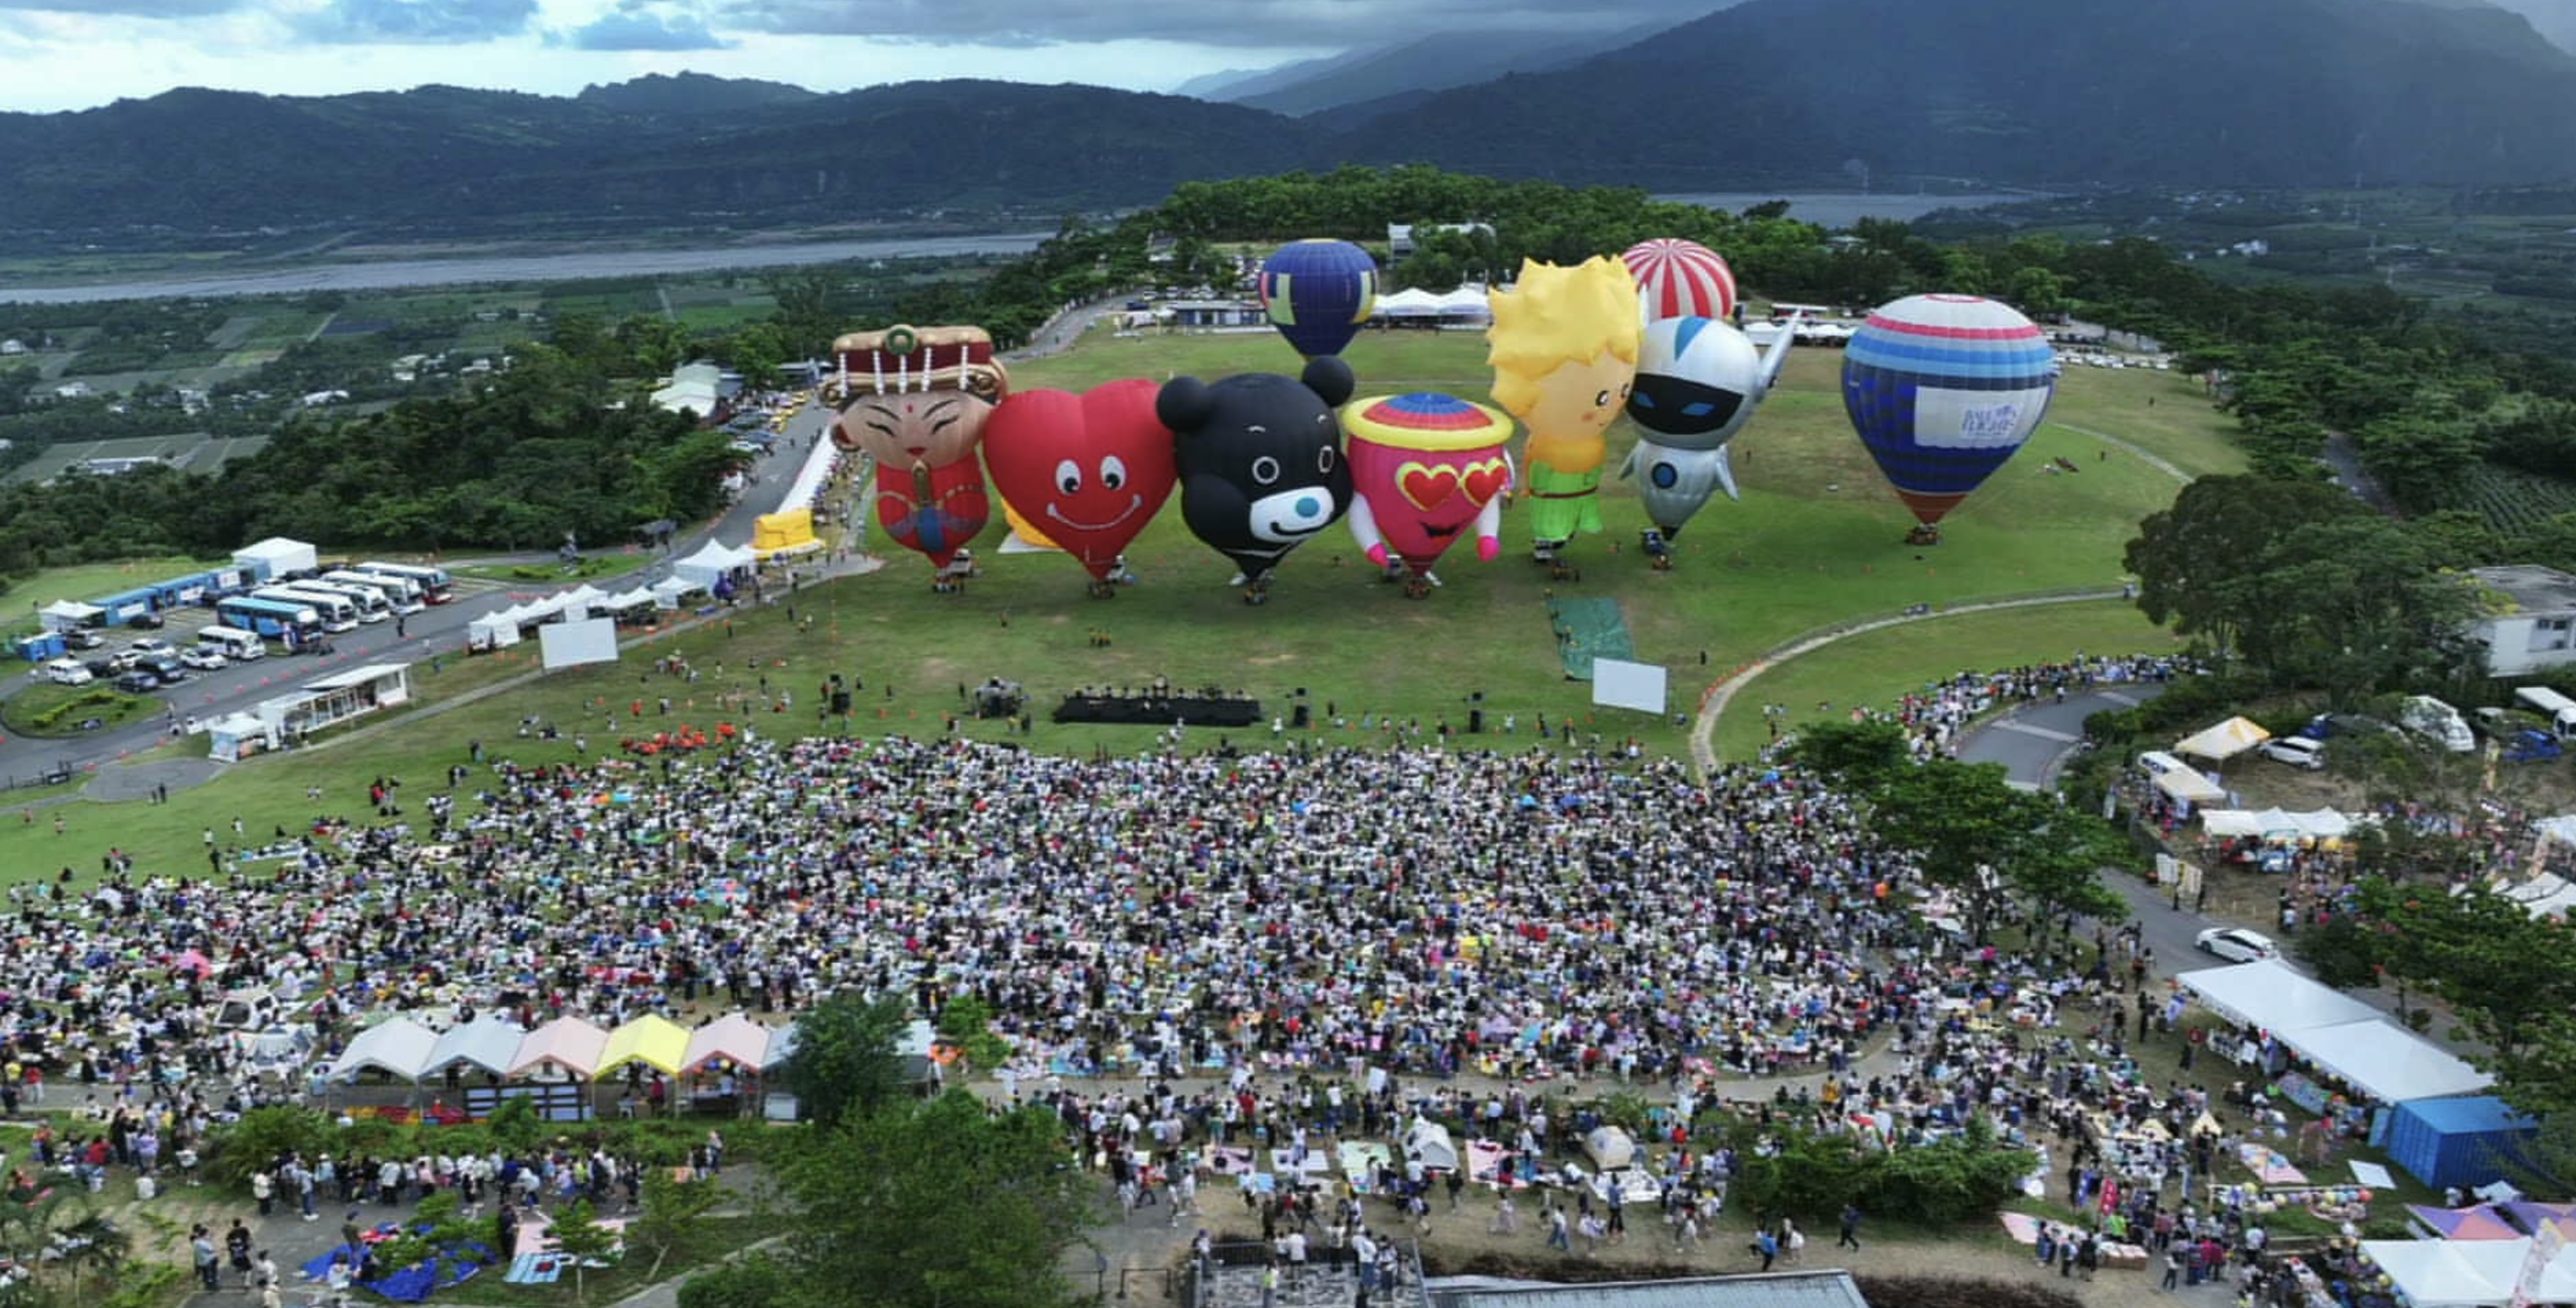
[(1769, 92)]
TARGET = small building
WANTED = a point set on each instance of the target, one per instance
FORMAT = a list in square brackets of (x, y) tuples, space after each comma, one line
[(1216, 313), (700, 389), (322, 704), (2536, 627)]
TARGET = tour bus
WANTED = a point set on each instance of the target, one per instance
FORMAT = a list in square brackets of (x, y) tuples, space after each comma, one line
[(232, 642), (433, 582), (371, 602), (400, 592), (281, 619), (338, 612)]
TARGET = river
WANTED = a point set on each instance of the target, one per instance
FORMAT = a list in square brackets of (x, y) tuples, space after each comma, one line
[(1832, 209), (1843, 208), (390, 273)]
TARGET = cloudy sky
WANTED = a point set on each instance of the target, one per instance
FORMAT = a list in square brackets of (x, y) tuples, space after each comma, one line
[(72, 54)]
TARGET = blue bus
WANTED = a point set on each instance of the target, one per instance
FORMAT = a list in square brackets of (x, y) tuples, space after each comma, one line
[(276, 619)]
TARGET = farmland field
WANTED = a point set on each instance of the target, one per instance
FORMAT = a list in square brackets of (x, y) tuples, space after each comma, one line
[(2512, 500), (193, 451)]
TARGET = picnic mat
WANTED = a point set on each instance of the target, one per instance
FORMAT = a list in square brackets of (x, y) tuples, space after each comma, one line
[(2269, 1166), (1360, 1160), (1225, 1160)]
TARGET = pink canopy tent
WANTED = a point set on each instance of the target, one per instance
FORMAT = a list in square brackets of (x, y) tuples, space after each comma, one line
[(2475, 1223), (733, 1038), (566, 1042)]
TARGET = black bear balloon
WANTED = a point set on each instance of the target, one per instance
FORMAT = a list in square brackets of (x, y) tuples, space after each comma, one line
[(1260, 459)]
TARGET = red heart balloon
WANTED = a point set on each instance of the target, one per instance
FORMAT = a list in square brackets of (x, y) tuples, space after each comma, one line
[(1089, 470), (1487, 480)]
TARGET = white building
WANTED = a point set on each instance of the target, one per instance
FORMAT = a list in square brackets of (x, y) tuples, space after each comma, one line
[(13, 347), (2536, 629)]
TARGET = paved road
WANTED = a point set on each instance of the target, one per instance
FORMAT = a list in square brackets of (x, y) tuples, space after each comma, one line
[(2035, 742), (435, 632)]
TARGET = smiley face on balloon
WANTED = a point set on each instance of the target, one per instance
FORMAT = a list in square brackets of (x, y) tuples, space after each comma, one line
[(1088, 469)]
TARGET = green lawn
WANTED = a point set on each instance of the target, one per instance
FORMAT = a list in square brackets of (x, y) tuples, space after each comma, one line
[(46, 709), (1874, 668), (1817, 539)]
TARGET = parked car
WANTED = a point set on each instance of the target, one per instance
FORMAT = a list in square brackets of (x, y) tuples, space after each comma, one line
[(202, 659), (2326, 726), (145, 622), (2236, 944), (2532, 746), (117, 662), (152, 647), (64, 672), (2297, 751), (84, 638), (137, 681), (168, 668), (100, 669)]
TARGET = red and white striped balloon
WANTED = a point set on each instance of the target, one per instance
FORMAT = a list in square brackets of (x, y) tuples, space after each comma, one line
[(1681, 279)]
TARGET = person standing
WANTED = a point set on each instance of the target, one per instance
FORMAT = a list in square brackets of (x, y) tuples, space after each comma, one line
[(1850, 1238), (263, 1187), (1766, 1244), (201, 1251)]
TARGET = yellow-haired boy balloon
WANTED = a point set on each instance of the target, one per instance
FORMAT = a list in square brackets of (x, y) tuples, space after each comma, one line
[(1564, 351)]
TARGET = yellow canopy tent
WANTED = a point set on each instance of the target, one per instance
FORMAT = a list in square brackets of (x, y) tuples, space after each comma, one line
[(653, 1040), (2224, 741)]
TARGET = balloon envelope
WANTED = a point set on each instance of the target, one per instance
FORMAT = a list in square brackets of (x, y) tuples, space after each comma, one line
[(1943, 389), (1090, 470), (1318, 293), (1680, 279), (1425, 470)]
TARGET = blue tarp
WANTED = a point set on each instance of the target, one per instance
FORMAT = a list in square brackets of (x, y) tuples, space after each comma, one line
[(451, 1266)]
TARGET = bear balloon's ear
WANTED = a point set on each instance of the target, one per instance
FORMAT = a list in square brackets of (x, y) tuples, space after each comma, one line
[(1183, 404), (1327, 376)]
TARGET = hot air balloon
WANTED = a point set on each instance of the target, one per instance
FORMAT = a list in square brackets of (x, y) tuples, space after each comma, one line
[(915, 399), (1089, 470), (1318, 293), (1564, 351), (1698, 383), (1681, 279), (1424, 468), (1943, 389), (1261, 462)]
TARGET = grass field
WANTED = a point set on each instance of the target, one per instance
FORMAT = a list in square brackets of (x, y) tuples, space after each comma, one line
[(1817, 539), (48, 710)]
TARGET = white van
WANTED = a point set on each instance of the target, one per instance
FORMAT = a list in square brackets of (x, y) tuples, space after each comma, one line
[(67, 672), (233, 643), (2438, 723)]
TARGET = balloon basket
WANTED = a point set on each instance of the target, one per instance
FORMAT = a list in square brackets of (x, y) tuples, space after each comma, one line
[(1101, 590), (1257, 593), (1924, 534), (1417, 588)]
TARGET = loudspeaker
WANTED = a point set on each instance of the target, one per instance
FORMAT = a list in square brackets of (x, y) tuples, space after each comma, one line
[(1475, 722), (1300, 718), (841, 702)]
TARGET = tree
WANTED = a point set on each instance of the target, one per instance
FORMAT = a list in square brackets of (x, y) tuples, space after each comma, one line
[(2510, 977), (2192, 560), (1855, 753), (1972, 833), (966, 1021), (845, 1061), (674, 1215), (582, 1239), (936, 1204)]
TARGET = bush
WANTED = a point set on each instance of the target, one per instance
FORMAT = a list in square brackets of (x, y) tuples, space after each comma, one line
[(1962, 1178), (261, 1137), (1960, 1292)]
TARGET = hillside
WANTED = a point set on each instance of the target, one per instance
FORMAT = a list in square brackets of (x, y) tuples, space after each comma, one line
[(2192, 92), (1770, 92)]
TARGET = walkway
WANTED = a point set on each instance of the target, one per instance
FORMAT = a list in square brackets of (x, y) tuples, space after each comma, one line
[(1703, 742)]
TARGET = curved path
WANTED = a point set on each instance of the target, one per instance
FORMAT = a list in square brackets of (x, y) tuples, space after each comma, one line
[(1713, 703), (1703, 737)]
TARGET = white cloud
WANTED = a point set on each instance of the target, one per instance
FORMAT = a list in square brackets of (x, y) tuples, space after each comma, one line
[(368, 22), (644, 25), (1235, 23)]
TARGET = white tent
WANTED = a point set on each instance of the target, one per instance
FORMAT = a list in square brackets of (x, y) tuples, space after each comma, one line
[(1412, 302), (401, 1047), (1610, 1148), (493, 630), (2180, 779), (277, 556), (2321, 824), (67, 615), (2223, 741), (625, 601), (2387, 1062), (1427, 1142), (711, 563), (2269, 994), (2461, 1273), (807, 489), (669, 591), (489, 1042), (579, 602)]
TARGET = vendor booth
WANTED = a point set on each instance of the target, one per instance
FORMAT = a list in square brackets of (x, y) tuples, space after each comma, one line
[(2272, 995), (2178, 780), (713, 563), (2469, 1273), (1427, 1142), (2464, 1141), (399, 1048)]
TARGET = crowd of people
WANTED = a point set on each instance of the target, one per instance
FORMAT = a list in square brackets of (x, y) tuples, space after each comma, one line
[(1269, 950)]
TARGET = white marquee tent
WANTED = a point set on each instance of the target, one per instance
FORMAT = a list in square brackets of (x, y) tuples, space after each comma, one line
[(2179, 779), (493, 630), (401, 1047), (2321, 824), (2271, 995), (2388, 1062), (712, 562), (2461, 1273), (490, 1043)]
